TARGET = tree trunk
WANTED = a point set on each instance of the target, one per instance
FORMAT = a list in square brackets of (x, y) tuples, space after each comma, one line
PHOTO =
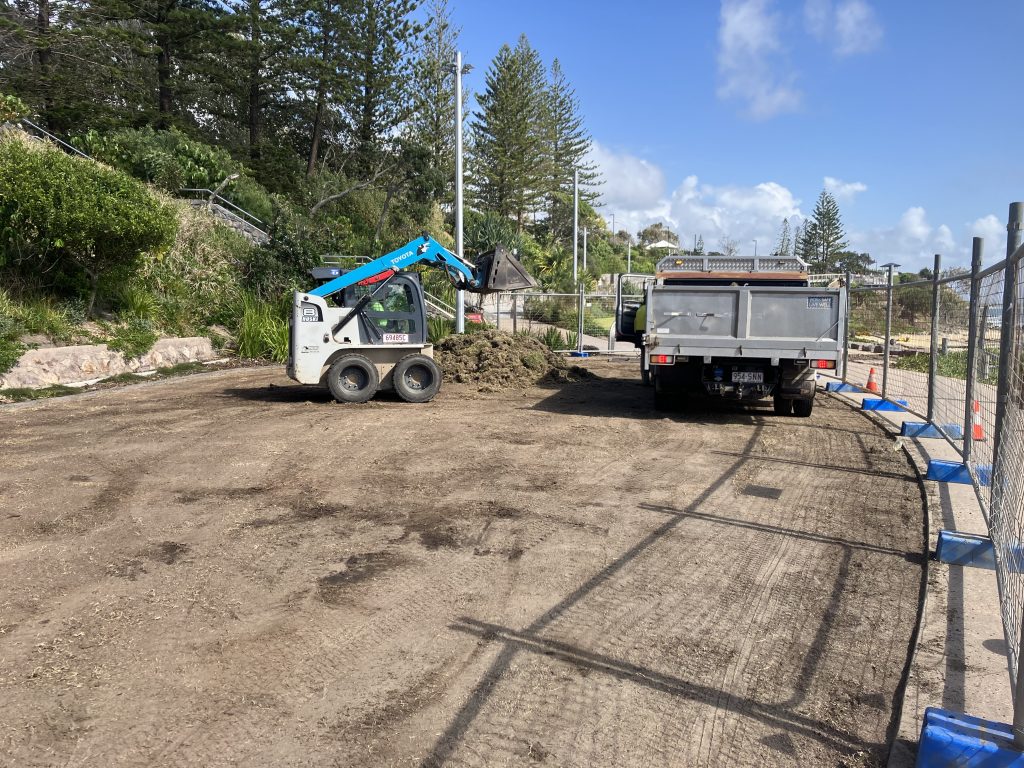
[(318, 127), (163, 75), (94, 287), (255, 82), (384, 212), (43, 56)]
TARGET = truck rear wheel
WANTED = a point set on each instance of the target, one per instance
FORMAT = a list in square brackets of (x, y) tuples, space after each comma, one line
[(783, 406), (803, 407), (416, 378), (352, 379)]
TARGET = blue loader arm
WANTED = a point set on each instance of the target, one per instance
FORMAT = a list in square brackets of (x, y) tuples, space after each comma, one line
[(424, 250)]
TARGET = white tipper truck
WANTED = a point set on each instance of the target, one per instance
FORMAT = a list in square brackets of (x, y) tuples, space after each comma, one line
[(732, 327)]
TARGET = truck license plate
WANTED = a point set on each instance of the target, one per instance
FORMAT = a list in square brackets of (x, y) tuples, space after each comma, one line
[(747, 377)]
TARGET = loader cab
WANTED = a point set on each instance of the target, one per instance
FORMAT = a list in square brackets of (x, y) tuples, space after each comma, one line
[(395, 314)]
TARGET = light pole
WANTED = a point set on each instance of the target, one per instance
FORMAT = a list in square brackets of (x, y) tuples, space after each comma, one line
[(575, 225), (460, 295), (584, 249), (755, 249)]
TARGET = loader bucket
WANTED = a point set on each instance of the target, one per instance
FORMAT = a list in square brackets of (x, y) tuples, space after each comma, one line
[(499, 270)]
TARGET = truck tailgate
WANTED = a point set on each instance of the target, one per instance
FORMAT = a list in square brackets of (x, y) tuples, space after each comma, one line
[(747, 320)]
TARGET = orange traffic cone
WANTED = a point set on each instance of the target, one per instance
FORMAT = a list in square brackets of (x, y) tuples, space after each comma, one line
[(872, 385), (977, 427)]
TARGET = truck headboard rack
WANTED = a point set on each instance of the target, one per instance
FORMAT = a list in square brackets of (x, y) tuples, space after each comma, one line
[(685, 267)]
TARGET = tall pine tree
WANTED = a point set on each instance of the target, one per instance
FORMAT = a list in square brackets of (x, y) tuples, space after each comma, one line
[(432, 124), (569, 141), (824, 237), (383, 37), (508, 167), (784, 244)]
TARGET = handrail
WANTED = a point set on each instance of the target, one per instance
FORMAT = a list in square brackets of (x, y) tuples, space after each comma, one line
[(63, 144), (224, 202)]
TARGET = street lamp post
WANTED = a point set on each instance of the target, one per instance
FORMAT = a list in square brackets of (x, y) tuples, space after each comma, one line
[(460, 295), (755, 249)]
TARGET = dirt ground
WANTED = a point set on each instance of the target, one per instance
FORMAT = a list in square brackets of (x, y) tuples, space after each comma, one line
[(227, 569)]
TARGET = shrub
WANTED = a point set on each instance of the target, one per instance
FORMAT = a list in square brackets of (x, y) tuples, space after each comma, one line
[(12, 108), (172, 161), (57, 209), (133, 339), (262, 330), (439, 328)]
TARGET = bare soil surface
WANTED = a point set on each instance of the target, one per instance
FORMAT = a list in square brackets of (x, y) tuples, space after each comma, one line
[(230, 570)]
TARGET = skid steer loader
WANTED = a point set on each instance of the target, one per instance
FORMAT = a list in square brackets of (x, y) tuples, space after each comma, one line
[(365, 329)]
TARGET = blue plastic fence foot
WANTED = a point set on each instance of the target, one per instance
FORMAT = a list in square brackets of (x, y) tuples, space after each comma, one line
[(956, 472), (953, 739), (921, 429), (579, 354), (841, 386), (965, 549), (878, 404)]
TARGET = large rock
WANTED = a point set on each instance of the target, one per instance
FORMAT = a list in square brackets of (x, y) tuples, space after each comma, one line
[(71, 365)]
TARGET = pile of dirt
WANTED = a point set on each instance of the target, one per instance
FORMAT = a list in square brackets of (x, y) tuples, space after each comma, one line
[(499, 360)]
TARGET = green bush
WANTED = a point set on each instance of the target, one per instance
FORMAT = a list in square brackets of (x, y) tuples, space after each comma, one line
[(133, 339), (439, 328), (72, 214), (12, 108), (173, 161), (262, 330)]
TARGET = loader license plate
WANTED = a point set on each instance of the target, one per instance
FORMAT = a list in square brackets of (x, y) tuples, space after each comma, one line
[(396, 338), (747, 377)]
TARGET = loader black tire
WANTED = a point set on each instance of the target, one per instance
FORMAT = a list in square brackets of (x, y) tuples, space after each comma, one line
[(416, 378), (783, 406), (352, 379), (803, 407)]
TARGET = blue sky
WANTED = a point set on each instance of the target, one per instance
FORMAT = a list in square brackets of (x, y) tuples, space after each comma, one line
[(722, 118)]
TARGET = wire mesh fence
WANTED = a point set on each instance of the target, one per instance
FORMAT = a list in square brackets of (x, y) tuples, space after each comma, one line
[(910, 342), (952, 347), (952, 329), (984, 392), (1005, 491), (555, 316)]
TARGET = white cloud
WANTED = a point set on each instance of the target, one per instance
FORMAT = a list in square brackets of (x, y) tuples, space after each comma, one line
[(914, 226), (630, 182), (844, 190), (857, 28), (749, 48), (818, 17), (849, 26), (635, 192), (994, 232), (913, 241)]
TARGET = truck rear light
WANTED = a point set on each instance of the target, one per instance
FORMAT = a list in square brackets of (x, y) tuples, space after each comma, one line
[(661, 359), (823, 363)]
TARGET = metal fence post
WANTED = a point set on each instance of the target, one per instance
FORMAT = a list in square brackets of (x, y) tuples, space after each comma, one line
[(846, 330), (1007, 324), (515, 302), (497, 310), (933, 362), (1007, 364), (888, 334), (977, 248), (579, 335)]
